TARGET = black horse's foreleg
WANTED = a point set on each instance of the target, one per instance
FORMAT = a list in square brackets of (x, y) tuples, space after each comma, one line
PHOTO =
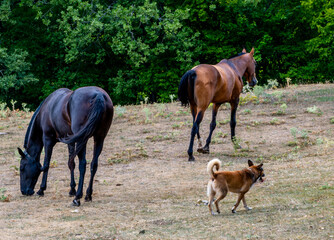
[(213, 125), (48, 146), (233, 122), (71, 166), (98, 145), (82, 170), (194, 131)]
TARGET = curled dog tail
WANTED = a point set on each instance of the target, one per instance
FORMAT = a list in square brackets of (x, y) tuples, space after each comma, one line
[(214, 162)]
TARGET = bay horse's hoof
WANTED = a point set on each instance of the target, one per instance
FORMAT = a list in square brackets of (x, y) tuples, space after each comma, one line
[(88, 198), (40, 192), (72, 193), (204, 150), (200, 150), (76, 202), (191, 159)]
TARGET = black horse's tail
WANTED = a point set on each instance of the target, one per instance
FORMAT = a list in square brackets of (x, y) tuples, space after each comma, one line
[(94, 118), (187, 83)]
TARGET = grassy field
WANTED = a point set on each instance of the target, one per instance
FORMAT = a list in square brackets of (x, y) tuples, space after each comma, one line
[(146, 189)]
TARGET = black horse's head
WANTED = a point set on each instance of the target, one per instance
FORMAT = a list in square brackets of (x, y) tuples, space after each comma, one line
[(30, 169)]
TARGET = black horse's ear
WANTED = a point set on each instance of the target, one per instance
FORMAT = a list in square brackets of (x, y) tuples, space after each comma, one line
[(21, 153), (250, 163)]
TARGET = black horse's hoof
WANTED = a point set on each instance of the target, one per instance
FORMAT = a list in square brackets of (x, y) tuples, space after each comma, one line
[(191, 159), (72, 193), (76, 202), (88, 198), (40, 193)]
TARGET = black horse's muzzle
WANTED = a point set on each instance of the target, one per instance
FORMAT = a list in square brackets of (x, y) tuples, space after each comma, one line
[(27, 192)]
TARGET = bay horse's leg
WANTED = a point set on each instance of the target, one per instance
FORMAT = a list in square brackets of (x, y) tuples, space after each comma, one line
[(48, 146), (234, 105), (82, 170), (194, 112), (194, 131), (98, 145), (213, 125), (71, 166)]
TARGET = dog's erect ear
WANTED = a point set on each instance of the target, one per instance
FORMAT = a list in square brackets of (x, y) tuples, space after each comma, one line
[(250, 163), (260, 166)]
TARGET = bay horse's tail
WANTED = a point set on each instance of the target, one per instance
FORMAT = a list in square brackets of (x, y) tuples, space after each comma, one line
[(186, 87), (93, 120)]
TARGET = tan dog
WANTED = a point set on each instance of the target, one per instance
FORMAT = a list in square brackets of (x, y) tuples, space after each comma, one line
[(234, 181)]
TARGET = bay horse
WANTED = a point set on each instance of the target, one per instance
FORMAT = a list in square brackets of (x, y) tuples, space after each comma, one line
[(216, 84), (71, 117)]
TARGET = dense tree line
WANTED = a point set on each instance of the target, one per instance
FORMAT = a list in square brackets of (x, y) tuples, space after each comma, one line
[(140, 49)]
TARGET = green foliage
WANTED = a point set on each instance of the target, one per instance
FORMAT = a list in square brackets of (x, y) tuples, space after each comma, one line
[(14, 72), (140, 49)]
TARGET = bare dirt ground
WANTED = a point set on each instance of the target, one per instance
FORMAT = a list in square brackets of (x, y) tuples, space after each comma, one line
[(146, 189)]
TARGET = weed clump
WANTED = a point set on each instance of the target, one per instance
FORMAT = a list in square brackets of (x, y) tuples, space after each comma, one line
[(4, 197), (301, 138), (331, 120), (314, 110)]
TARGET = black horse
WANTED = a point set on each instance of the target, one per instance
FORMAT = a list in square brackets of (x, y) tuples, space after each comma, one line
[(72, 118)]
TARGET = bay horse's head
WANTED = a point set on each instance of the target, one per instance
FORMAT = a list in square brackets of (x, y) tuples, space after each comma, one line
[(30, 169), (250, 69)]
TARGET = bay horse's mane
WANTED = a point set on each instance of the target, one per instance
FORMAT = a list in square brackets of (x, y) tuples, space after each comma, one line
[(30, 127), (237, 55)]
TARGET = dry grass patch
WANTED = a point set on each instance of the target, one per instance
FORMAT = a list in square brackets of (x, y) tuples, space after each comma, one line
[(145, 188)]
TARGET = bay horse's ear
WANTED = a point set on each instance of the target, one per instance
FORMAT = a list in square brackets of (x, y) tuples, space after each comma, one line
[(21, 153), (250, 163), (244, 50), (252, 52)]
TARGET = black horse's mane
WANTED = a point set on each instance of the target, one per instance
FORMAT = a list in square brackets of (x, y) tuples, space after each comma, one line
[(237, 55), (32, 121)]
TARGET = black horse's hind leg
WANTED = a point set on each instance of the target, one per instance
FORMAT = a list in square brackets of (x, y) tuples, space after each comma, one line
[(213, 124), (194, 131), (82, 170), (233, 122), (98, 145), (48, 146), (71, 166)]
